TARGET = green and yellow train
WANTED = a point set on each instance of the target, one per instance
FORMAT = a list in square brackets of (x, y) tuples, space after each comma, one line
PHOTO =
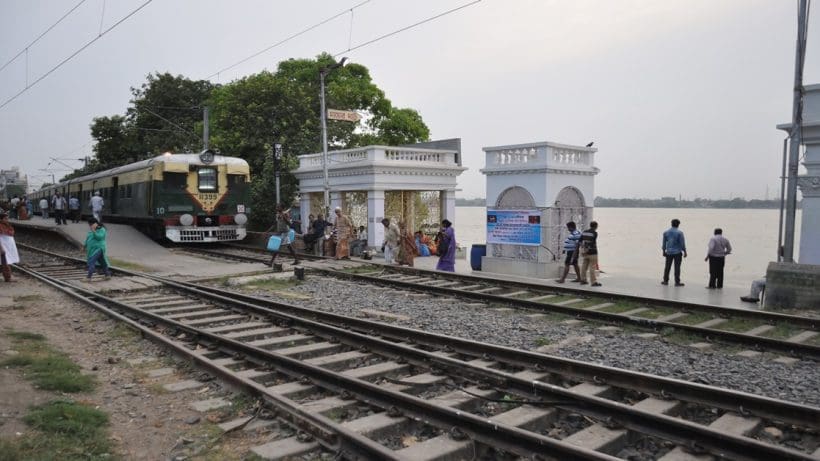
[(182, 197)]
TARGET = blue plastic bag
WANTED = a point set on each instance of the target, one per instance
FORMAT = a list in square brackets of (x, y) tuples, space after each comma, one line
[(273, 243), (291, 236)]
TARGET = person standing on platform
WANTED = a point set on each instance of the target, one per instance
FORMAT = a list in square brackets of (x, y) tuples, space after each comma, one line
[(447, 248), (282, 226), (14, 202), (391, 240), (673, 246), (407, 246), (59, 205), (96, 204), (44, 207), (22, 209), (571, 251), (95, 249), (8, 248), (719, 247), (344, 230), (74, 209), (588, 247)]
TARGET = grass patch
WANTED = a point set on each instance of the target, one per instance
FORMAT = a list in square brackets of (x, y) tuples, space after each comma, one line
[(27, 298), (122, 331), (694, 318), (274, 284), (542, 341), (127, 265), (656, 312), (681, 337), (363, 269), (64, 430), (782, 332), (620, 307), (739, 325), (46, 367)]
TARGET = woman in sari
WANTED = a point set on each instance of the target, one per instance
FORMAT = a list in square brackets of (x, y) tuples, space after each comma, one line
[(447, 248), (344, 229), (8, 248), (407, 246)]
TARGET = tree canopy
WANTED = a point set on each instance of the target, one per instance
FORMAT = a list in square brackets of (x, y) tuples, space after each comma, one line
[(248, 116)]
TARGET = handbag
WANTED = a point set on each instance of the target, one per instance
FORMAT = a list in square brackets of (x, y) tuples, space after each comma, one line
[(273, 243)]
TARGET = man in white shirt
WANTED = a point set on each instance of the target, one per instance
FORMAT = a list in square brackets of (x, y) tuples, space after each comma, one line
[(44, 207), (96, 205)]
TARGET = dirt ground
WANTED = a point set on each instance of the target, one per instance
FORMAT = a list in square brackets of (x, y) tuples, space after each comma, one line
[(146, 422)]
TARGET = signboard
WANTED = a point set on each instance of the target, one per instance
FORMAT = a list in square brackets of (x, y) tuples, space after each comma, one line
[(344, 115), (516, 227)]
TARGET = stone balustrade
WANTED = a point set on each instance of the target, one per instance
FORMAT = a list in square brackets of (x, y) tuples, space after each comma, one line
[(540, 155), (417, 157)]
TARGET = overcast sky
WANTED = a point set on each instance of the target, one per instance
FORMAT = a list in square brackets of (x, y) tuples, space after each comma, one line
[(680, 96)]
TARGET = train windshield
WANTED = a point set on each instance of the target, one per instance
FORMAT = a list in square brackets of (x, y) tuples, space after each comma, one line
[(207, 179)]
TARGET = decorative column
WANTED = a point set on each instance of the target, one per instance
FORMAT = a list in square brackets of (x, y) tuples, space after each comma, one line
[(448, 206), (809, 185), (375, 213), (304, 208)]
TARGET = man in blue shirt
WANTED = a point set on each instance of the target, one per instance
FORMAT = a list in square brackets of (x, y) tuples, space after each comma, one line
[(673, 246)]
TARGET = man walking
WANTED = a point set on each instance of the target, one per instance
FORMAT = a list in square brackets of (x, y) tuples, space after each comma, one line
[(673, 246), (589, 250), (391, 240), (74, 209), (44, 207), (96, 205), (59, 205), (719, 247), (571, 251)]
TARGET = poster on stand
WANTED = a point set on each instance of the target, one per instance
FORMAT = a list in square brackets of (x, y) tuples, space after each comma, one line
[(515, 227)]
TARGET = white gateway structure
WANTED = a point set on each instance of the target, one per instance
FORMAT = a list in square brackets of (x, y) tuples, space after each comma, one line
[(374, 182), (533, 190)]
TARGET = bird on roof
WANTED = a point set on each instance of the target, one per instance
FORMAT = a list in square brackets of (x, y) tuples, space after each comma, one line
[(590, 144)]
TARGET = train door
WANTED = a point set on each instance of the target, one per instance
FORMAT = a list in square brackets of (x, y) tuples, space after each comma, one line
[(115, 193), (80, 200)]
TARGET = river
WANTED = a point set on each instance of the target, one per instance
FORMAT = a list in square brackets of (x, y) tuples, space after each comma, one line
[(629, 239)]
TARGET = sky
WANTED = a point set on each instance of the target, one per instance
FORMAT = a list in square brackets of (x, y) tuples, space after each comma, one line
[(681, 97)]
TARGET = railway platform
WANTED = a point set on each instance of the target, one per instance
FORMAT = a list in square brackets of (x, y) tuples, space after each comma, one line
[(128, 245), (693, 292)]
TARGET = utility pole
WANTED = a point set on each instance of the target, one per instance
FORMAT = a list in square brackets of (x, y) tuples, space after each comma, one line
[(277, 164), (322, 73), (795, 138), (205, 128)]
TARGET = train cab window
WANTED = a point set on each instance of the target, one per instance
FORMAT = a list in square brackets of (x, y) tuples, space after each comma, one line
[(207, 179), (236, 179), (174, 181)]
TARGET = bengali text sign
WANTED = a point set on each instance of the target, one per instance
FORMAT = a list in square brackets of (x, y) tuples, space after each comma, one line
[(519, 227)]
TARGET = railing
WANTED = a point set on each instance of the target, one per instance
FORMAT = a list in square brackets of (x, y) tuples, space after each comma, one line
[(418, 157), (539, 155)]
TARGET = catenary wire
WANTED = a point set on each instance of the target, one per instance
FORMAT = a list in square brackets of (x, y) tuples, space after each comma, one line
[(289, 38), (80, 50), (41, 35), (397, 31)]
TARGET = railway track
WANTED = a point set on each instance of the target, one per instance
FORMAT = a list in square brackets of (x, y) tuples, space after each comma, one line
[(792, 335), (367, 390)]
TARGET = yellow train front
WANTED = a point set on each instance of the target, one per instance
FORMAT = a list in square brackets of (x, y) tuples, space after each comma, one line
[(182, 197)]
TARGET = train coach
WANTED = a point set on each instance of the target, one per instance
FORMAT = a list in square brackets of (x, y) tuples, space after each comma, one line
[(182, 197)]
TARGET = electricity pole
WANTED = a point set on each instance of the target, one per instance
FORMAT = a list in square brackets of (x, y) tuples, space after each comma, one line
[(205, 128)]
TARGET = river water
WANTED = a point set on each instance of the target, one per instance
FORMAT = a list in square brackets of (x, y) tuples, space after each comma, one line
[(629, 239)]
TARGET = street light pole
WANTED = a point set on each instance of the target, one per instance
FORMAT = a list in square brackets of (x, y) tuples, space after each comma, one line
[(322, 73)]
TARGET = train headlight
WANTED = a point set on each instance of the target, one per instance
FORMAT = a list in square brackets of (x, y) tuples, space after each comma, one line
[(241, 219), (186, 219)]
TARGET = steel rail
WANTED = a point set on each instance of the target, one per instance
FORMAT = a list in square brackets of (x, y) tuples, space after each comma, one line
[(325, 431), (791, 348), (671, 428), (498, 435)]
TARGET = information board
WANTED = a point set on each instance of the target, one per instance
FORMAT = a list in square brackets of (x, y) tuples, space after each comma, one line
[(517, 227)]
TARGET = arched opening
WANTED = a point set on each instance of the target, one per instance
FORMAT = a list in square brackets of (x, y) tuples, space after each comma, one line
[(515, 197), (569, 205)]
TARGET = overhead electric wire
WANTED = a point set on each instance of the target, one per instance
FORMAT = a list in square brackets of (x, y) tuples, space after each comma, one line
[(289, 38), (41, 35), (69, 58), (390, 34)]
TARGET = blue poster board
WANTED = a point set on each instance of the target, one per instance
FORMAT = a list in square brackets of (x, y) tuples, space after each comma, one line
[(517, 227)]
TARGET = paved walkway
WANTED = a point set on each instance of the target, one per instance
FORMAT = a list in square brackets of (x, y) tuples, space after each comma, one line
[(126, 244)]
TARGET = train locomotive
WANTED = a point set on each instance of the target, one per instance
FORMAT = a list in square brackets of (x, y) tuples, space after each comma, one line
[(185, 198)]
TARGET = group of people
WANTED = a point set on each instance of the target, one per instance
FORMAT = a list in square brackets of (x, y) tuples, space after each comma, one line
[(673, 249), (95, 247), (58, 207), (400, 245)]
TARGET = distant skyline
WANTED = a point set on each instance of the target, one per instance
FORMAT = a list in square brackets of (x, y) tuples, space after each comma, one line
[(681, 97)]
